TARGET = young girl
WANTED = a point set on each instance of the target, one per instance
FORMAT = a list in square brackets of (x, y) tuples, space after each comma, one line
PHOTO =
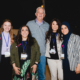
[(53, 50), (25, 55), (6, 39)]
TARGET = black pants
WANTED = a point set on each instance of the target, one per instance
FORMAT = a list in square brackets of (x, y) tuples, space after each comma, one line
[(71, 75), (5, 69)]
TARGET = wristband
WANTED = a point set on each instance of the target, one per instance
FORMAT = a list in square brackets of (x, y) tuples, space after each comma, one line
[(36, 63)]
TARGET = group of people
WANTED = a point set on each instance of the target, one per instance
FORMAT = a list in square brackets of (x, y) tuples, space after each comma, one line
[(23, 57)]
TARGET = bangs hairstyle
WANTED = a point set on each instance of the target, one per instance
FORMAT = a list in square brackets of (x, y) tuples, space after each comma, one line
[(11, 31), (18, 38), (49, 32)]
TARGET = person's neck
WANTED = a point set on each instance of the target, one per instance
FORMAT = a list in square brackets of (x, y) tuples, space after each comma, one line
[(24, 39), (54, 31), (39, 21), (5, 32)]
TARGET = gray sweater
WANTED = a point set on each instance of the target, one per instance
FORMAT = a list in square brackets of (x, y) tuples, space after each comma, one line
[(39, 33)]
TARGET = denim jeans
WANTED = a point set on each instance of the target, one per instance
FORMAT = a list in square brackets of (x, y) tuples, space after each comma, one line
[(41, 68)]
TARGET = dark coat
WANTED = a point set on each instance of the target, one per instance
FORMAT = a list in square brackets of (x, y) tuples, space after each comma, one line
[(35, 54)]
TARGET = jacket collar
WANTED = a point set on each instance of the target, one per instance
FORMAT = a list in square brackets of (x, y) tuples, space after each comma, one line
[(43, 21)]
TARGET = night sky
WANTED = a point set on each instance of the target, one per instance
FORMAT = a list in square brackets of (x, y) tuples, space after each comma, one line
[(19, 12), (65, 11)]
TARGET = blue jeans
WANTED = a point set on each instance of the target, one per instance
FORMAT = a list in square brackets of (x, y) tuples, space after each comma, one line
[(41, 68)]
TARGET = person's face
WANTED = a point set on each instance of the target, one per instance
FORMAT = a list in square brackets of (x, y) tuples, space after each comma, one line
[(6, 26), (40, 14), (24, 32), (64, 29), (54, 26)]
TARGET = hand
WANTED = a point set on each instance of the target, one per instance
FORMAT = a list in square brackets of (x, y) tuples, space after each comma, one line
[(17, 70), (77, 70), (34, 68)]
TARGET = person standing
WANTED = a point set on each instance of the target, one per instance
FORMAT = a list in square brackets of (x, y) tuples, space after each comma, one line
[(38, 28), (25, 55), (6, 39), (71, 51), (53, 50)]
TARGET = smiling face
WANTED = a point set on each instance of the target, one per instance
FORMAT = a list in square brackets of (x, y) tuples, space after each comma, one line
[(24, 32), (6, 26), (54, 26), (40, 14), (64, 30)]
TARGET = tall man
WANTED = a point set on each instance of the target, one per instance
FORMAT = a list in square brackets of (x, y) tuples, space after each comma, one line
[(38, 28)]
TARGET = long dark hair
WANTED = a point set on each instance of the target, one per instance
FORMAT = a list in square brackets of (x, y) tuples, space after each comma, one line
[(18, 38), (49, 32)]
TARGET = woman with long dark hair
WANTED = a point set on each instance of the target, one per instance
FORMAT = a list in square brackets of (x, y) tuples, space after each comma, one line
[(25, 55), (53, 50)]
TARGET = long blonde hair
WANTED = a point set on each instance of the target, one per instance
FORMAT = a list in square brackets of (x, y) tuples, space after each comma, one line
[(11, 31)]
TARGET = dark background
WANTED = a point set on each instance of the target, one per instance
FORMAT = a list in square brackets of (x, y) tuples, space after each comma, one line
[(65, 11), (19, 12)]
